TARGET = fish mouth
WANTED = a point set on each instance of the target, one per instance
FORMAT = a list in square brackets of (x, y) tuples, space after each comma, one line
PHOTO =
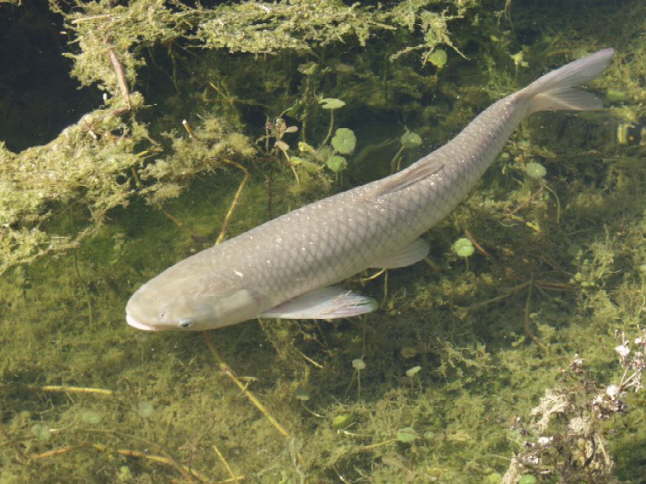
[(136, 324)]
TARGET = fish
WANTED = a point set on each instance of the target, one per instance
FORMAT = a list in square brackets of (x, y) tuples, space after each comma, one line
[(289, 267)]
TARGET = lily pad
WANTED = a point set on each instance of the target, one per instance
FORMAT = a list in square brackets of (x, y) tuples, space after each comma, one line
[(145, 409), (438, 58), (407, 435), (411, 372), (463, 247), (410, 140), (341, 420), (358, 364), (41, 431), (344, 141), (91, 417), (535, 170), (331, 103), (336, 163)]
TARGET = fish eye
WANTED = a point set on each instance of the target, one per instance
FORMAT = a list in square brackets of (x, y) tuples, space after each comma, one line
[(185, 323)]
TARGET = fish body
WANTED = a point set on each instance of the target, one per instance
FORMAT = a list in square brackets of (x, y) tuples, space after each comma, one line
[(286, 267)]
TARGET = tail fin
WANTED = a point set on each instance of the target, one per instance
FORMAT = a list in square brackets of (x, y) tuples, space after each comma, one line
[(555, 90)]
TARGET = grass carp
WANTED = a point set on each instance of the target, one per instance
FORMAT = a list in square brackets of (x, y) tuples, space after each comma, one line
[(287, 267)]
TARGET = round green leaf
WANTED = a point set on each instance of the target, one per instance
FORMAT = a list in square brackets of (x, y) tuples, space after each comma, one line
[(527, 479), (301, 395), (407, 435), (463, 247), (358, 364), (438, 58), (91, 417), (145, 409), (535, 170), (411, 372), (336, 163), (41, 431), (410, 140), (331, 103), (344, 141), (341, 420)]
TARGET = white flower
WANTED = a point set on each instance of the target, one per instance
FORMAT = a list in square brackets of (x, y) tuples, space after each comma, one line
[(543, 441), (623, 350), (613, 390)]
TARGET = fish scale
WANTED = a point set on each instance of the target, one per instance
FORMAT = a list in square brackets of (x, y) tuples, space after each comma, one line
[(286, 267)]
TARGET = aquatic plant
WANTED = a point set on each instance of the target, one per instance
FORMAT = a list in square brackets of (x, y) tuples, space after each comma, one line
[(114, 153), (567, 434)]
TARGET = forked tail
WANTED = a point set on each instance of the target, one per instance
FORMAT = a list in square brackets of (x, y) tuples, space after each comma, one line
[(555, 90)]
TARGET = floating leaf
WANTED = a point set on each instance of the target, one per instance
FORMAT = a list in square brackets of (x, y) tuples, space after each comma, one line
[(301, 395), (344, 141), (336, 163), (358, 364), (535, 170), (308, 69), (438, 58), (410, 140), (407, 435), (341, 420), (331, 103), (145, 409), (527, 479), (305, 147), (411, 372), (282, 146), (305, 163), (41, 431), (463, 247), (91, 417)]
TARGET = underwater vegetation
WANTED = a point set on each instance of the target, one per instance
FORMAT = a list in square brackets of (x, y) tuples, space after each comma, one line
[(515, 354)]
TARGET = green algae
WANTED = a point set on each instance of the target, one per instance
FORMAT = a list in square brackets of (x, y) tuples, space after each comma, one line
[(560, 273)]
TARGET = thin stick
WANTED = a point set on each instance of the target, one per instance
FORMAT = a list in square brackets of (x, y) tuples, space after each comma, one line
[(226, 369), (373, 276), (63, 388), (184, 470), (121, 76), (92, 17), (528, 330), (364, 448), (16, 446), (53, 452), (171, 217), (499, 298), (59, 388), (309, 360), (234, 203), (475, 242), (226, 464)]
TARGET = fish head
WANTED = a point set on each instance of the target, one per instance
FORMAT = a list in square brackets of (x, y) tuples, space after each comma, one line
[(169, 302)]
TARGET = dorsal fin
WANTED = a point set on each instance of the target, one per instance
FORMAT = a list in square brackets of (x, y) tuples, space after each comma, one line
[(420, 170)]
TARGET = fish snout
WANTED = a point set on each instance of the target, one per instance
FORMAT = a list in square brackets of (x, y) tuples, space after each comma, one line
[(136, 324)]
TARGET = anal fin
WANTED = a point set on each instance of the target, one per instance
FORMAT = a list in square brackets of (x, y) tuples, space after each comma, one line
[(406, 256)]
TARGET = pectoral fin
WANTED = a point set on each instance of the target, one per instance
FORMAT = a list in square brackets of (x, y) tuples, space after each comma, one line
[(324, 303), (406, 256)]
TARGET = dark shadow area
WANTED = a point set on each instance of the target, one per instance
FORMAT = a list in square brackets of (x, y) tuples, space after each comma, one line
[(38, 97)]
